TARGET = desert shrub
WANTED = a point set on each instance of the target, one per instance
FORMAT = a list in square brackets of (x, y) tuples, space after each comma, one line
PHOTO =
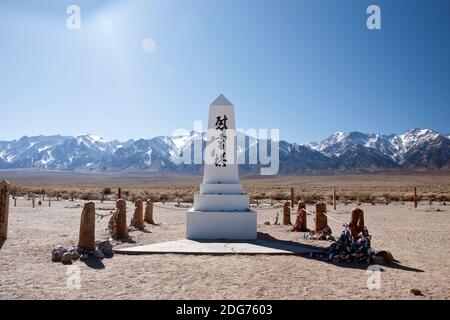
[(163, 197), (256, 196), (278, 195), (312, 198), (188, 199), (362, 196), (86, 196), (151, 197), (107, 191), (395, 197)]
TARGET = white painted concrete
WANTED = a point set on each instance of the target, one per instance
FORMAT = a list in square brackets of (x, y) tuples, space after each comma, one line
[(186, 246), (217, 202), (221, 209), (202, 225), (215, 188)]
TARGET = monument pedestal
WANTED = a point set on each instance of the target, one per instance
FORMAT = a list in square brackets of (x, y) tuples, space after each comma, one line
[(221, 225), (221, 208)]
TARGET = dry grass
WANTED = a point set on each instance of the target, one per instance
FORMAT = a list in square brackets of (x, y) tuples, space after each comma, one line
[(375, 189)]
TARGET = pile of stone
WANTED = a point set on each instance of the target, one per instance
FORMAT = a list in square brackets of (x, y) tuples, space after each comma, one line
[(68, 255)]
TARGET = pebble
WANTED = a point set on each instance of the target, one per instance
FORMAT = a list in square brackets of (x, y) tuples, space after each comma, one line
[(67, 258), (57, 253), (106, 248)]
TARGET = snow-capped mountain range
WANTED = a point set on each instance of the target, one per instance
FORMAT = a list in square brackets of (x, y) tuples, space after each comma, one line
[(417, 149)]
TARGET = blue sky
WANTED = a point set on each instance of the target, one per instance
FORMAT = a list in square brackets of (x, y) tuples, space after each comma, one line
[(309, 68)]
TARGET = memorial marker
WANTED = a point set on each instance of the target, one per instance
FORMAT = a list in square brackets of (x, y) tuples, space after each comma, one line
[(221, 209)]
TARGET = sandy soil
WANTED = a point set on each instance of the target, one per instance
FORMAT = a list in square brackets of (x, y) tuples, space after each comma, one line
[(417, 237)]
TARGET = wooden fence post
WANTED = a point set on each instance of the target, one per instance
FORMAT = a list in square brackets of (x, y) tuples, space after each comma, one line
[(334, 198), (415, 197), (4, 209), (321, 219), (71, 196), (287, 214), (49, 202), (15, 202), (120, 231), (292, 198), (33, 201), (357, 222), (138, 217), (149, 212), (119, 193), (300, 223), (87, 227)]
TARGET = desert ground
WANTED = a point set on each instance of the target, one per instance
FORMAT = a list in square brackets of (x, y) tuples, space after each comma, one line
[(418, 238)]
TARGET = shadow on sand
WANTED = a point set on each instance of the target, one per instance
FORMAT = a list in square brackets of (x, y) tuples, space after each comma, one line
[(94, 263), (280, 244), (2, 241), (127, 240)]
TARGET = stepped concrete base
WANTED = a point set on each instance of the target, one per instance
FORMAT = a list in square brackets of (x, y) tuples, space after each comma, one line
[(225, 202), (217, 188), (216, 225)]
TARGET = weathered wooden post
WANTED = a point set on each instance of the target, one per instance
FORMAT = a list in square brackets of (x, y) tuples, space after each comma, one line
[(287, 214), (387, 200), (43, 197), (356, 222), (87, 227), (49, 202), (33, 201), (149, 212), (138, 217), (334, 198), (300, 223), (4, 209), (118, 222), (415, 197), (15, 202), (119, 193), (71, 197), (321, 219), (292, 198)]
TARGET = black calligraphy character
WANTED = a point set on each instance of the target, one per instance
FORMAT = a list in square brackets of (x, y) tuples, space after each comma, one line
[(221, 161), (221, 124), (221, 141)]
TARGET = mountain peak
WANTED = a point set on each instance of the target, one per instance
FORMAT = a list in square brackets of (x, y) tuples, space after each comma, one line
[(355, 151)]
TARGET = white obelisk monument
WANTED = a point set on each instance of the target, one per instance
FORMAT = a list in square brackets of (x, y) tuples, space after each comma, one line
[(221, 209)]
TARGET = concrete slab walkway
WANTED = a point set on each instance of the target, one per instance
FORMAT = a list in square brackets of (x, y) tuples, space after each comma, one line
[(218, 247)]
